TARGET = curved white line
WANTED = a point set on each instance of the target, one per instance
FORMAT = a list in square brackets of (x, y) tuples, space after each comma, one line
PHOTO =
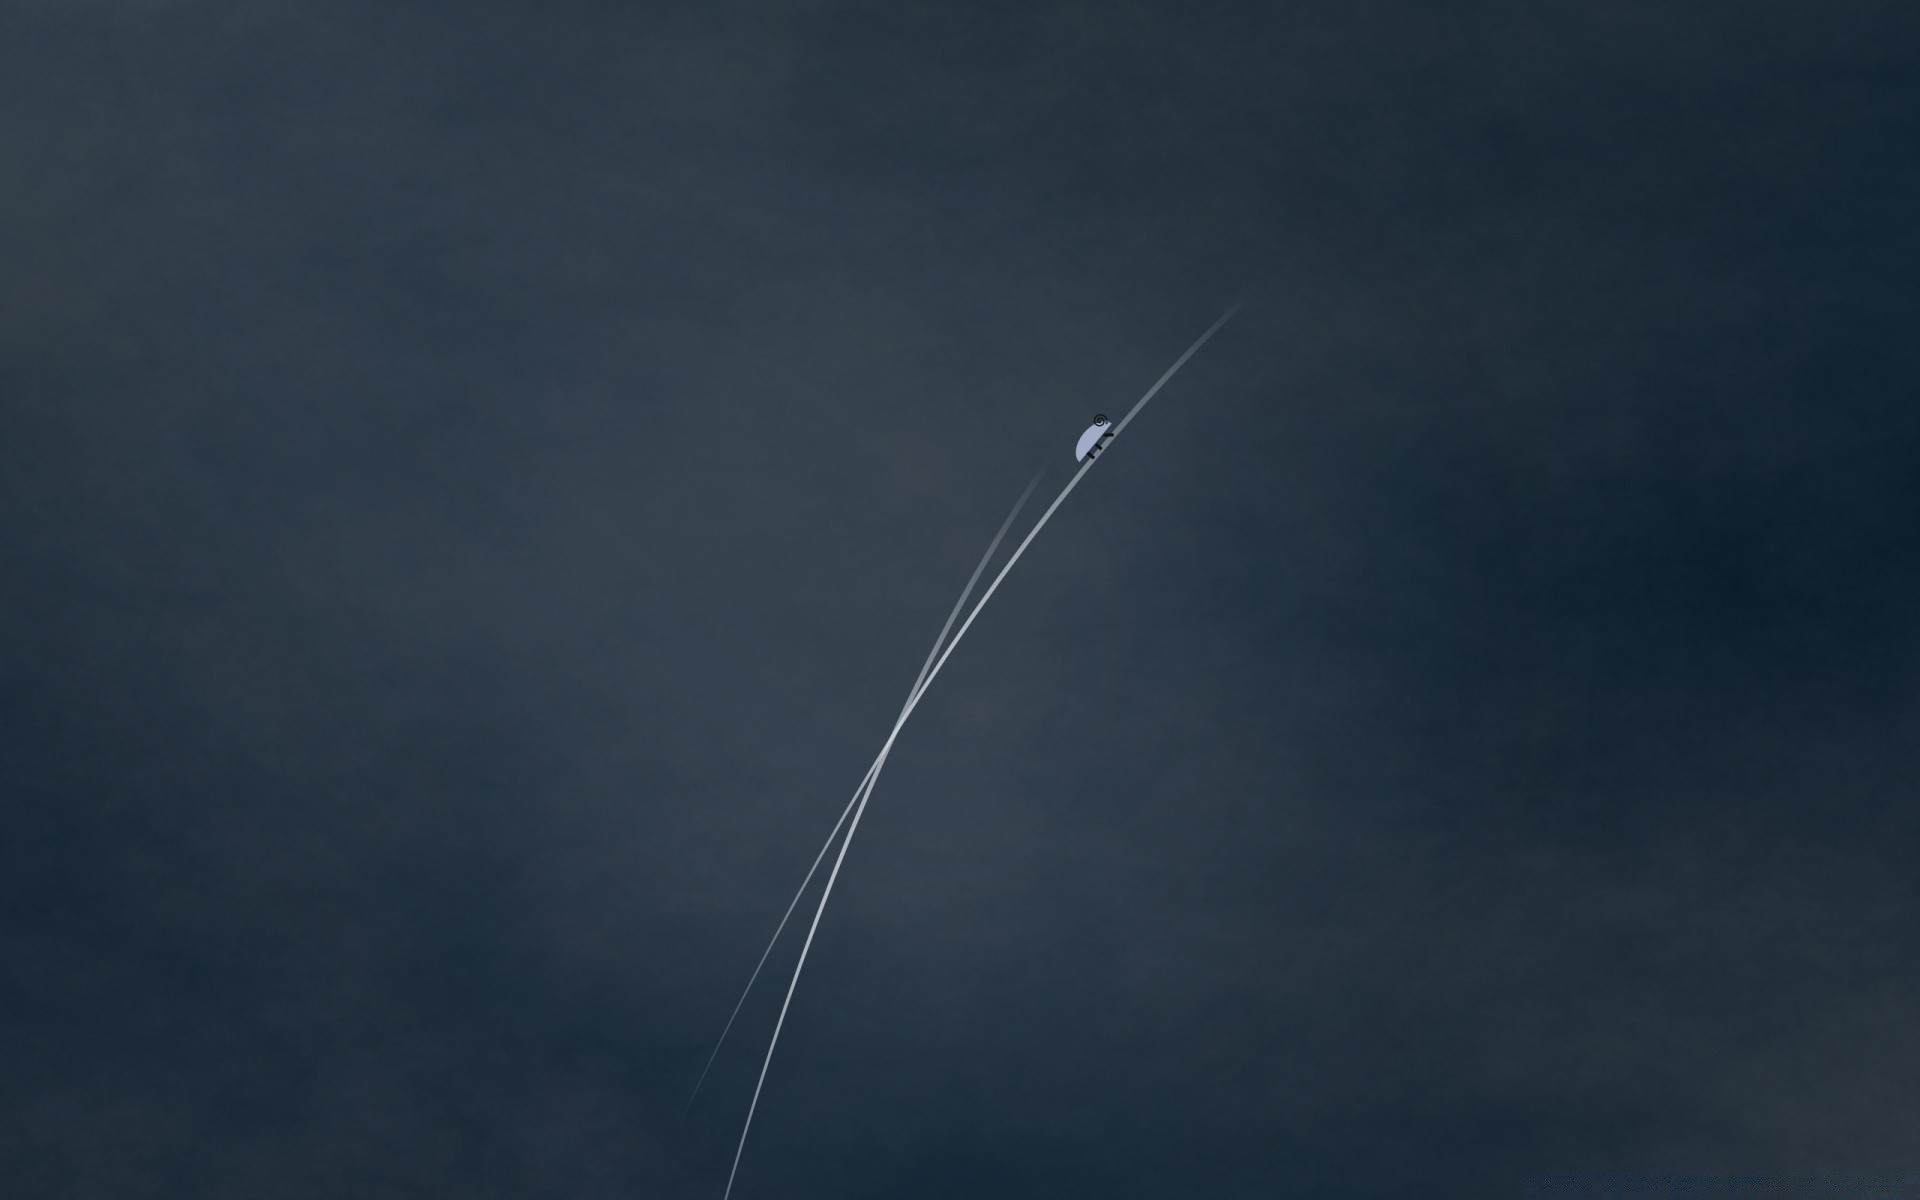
[(914, 702), (866, 783)]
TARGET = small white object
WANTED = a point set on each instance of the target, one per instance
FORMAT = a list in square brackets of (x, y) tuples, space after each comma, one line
[(1094, 439)]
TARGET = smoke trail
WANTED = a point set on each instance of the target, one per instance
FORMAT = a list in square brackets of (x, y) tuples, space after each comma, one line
[(866, 784), (914, 702)]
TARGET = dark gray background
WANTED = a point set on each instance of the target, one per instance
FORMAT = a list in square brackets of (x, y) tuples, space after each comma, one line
[(478, 480)]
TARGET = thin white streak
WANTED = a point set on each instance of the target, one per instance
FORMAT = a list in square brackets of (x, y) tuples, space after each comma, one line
[(887, 748), (866, 783)]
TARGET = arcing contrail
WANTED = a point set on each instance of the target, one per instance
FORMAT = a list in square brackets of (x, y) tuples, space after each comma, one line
[(873, 774), (860, 806)]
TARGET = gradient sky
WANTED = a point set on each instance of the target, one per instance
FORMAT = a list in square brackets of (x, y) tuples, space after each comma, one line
[(477, 480)]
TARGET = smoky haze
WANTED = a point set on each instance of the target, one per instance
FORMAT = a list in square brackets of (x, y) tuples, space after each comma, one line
[(478, 479)]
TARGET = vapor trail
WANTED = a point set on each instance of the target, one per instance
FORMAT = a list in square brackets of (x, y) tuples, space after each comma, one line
[(866, 783), (913, 702)]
